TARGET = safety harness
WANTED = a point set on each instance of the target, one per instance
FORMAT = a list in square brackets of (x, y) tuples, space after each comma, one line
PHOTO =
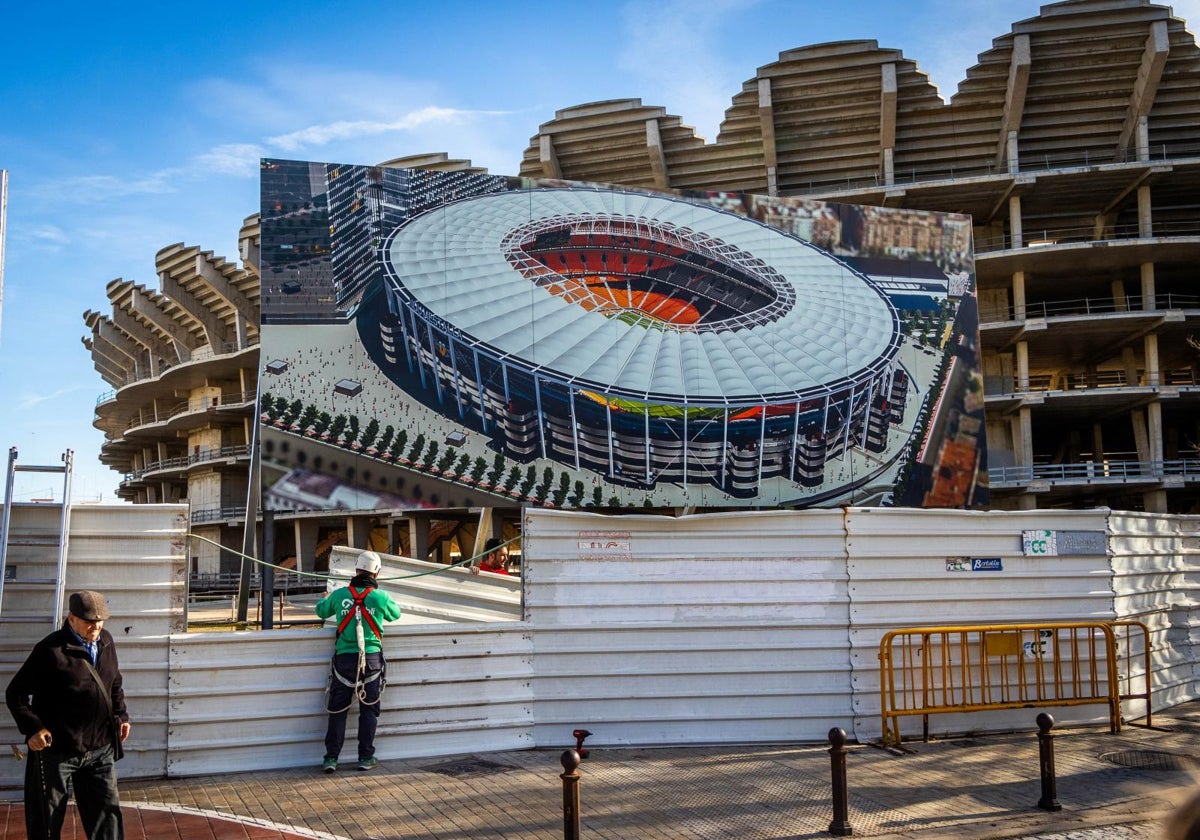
[(359, 614)]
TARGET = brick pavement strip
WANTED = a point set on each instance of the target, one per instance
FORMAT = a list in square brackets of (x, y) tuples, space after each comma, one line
[(982, 787)]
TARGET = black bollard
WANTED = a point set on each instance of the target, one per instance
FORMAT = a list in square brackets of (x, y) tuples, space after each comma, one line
[(1049, 800), (840, 827), (570, 762)]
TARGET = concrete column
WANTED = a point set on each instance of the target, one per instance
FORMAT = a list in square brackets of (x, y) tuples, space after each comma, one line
[(1097, 443), (1024, 444), (1022, 366), (766, 121), (1120, 303), (1154, 431), (1014, 161), (889, 93), (1145, 217), (358, 531), (1141, 437), (418, 536), (1014, 222), (654, 150), (393, 537), (1153, 373), (1149, 301), (1155, 501), (1129, 363), (1143, 138), (548, 158), (306, 544), (1018, 289)]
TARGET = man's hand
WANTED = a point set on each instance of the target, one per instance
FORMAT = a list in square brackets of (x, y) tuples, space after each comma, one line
[(124, 731), (39, 740)]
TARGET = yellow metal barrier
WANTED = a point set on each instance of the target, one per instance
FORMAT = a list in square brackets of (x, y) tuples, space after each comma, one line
[(1129, 649), (937, 670)]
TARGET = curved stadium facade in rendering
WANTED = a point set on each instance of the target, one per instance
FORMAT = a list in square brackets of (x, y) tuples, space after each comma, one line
[(643, 337)]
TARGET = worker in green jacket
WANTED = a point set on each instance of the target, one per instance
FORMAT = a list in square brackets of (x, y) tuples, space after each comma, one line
[(358, 667)]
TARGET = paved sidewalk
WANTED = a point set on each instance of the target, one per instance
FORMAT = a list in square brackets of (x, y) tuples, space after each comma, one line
[(985, 787)]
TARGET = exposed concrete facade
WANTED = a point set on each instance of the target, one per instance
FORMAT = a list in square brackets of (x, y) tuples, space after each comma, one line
[(1074, 143), (183, 363)]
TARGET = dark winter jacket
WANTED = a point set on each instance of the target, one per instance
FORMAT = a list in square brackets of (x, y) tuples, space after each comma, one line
[(55, 690)]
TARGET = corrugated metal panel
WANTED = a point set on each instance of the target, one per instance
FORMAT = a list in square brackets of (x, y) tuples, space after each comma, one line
[(134, 555), (431, 593), (899, 577), (253, 700), (699, 629), (1156, 576), (721, 628)]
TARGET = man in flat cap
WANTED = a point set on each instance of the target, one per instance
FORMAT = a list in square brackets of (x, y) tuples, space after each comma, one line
[(68, 702)]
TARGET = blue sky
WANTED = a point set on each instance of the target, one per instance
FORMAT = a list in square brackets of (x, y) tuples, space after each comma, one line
[(127, 127)]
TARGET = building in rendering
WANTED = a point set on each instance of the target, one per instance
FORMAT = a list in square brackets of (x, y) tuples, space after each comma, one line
[(183, 365), (1073, 143), (670, 342)]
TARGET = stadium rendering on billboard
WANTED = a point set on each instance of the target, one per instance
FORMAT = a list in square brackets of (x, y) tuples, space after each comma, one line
[(450, 338)]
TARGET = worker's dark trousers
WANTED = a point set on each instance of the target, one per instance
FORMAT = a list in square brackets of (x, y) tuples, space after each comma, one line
[(341, 697)]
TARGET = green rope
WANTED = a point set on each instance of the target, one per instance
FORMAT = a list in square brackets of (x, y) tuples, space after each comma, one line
[(468, 561)]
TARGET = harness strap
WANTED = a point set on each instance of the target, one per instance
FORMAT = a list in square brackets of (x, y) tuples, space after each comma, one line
[(355, 682), (359, 607)]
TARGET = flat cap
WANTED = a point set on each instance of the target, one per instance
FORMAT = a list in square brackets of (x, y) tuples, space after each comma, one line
[(88, 605)]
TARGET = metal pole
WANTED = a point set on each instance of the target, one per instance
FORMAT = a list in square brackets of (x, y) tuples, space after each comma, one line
[(1049, 800), (4, 518), (840, 827), (249, 543), (570, 762), (267, 594)]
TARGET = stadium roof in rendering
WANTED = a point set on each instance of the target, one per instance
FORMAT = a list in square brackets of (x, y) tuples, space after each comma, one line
[(642, 296)]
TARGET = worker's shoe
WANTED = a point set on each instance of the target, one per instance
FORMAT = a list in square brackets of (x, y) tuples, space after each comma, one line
[(368, 763), (329, 765)]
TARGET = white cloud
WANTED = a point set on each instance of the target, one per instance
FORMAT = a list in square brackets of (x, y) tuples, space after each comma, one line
[(30, 400), (46, 236), (323, 134), (89, 189), (240, 159)]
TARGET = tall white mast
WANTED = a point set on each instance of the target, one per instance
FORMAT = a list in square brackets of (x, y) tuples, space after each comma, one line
[(3, 234)]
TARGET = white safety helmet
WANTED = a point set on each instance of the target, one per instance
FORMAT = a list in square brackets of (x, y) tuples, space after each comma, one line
[(368, 561)]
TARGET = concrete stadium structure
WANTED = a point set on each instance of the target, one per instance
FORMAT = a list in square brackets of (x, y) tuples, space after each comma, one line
[(674, 343), (1074, 143), (183, 365)]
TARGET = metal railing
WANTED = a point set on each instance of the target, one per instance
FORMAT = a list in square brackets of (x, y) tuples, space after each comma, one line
[(217, 514), (1089, 306), (1158, 153), (1032, 237), (195, 406), (217, 585), (184, 461), (972, 668), (164, 365), (1092, 471), (995, 386)]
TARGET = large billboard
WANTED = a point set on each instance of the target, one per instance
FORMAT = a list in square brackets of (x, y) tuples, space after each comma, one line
[(463, 339)]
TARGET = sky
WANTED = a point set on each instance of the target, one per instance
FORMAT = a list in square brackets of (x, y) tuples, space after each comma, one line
[(128, 127)]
